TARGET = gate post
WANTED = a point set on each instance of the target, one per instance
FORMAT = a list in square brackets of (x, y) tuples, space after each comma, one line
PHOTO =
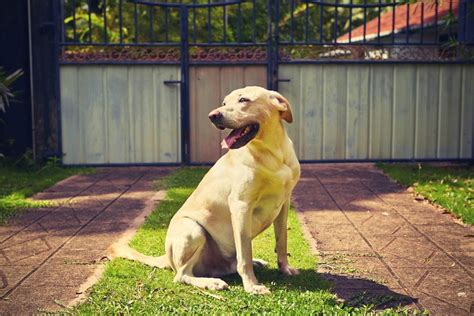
[(46, 27), (272, 45), (269, 48), (184, 93), (466, 22)]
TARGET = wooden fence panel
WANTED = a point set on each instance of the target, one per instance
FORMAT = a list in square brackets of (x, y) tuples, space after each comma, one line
[(404, 111), (208, 87), (380, 111), (125, 114), (120, 114), (92, 105), (467, 113), (449, 112), (357, 125), (427, 99)]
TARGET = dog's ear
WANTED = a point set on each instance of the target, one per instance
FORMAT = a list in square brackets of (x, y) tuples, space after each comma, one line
[(282, 104)]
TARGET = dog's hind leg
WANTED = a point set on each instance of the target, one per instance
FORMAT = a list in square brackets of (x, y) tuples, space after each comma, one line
[(186, 250)]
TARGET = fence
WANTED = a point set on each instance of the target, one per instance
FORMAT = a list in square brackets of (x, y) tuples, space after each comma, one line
[(221, 45), (438, 30)]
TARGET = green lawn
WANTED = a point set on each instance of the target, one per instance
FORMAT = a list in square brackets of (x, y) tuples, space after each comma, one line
[(17, 184), (128, 287), (449, 187)]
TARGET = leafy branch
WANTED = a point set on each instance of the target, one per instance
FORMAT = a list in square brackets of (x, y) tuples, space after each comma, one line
[(5, 83)]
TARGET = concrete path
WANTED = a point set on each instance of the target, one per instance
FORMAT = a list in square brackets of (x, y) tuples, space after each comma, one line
[(48, 254), (377, 244)]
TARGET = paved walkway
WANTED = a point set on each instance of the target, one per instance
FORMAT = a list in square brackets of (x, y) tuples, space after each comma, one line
[(49, 253), (377, 244)]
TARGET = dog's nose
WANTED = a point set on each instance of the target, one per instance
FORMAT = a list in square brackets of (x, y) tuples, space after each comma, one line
[(215, 116)]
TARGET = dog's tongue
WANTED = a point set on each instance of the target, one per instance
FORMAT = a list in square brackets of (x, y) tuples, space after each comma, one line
[(230, 140)]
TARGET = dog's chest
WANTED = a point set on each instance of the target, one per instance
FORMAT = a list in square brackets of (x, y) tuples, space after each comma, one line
[(276, 189)]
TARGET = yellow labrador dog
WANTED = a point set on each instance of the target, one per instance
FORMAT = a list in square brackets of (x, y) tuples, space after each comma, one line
[(246, 191)]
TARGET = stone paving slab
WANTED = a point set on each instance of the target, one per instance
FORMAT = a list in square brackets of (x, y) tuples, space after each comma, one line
[(376, 241), (47, 254)]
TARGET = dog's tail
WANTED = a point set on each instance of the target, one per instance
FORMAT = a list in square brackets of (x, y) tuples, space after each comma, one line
[(122, 249), (126, 252)]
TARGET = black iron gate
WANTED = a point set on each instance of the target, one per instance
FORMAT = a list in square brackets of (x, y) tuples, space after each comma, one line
[(161, 42), (187, 10), (262, 32)]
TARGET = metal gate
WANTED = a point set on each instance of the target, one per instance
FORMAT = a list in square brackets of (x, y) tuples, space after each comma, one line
[(208, 67), (211, 64), (342, 64)]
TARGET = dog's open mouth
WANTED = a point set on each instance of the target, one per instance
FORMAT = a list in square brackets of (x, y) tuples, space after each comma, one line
[(240, 136)]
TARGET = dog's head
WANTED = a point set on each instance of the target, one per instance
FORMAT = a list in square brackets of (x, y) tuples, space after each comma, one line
[(246, 110)]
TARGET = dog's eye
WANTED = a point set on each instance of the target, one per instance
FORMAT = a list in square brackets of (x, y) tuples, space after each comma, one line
[(241, 100)]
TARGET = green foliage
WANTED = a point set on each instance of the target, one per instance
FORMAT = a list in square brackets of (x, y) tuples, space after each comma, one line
[(201, 20), (21, 179), (143, 33), (5, 83), (449, 187), (132, 288), (5, 95)]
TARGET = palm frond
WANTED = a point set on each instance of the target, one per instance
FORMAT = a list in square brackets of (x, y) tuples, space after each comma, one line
[(5, 81)]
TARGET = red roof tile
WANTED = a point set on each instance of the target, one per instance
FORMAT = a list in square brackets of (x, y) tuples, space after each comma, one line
[(414, 19)]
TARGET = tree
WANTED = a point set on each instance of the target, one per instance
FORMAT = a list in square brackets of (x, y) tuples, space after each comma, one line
[(122, 21)]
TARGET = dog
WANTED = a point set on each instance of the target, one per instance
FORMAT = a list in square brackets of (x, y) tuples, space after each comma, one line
[(246, 191)]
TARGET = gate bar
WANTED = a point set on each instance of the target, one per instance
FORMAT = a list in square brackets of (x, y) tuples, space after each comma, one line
[(184, 51), (270, 62)]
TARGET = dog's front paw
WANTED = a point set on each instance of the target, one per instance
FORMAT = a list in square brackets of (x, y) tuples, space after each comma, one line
[(257, 289), (216, 285), (287, 270), (259, 263)]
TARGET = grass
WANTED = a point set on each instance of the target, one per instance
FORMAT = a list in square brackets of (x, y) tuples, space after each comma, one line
[(450, 187), (17, 184), (129, 287)]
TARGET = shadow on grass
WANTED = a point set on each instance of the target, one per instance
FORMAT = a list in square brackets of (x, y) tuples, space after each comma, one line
[(358, 291), (307, 280), (355, 292)]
